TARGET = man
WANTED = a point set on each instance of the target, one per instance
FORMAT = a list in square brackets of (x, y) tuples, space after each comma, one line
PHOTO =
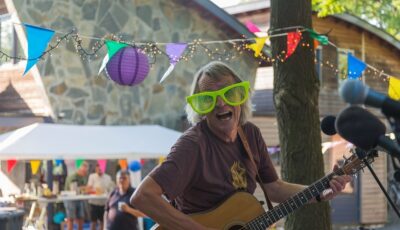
[(75, 210), (98, 183), (209, 163), (119, 213)]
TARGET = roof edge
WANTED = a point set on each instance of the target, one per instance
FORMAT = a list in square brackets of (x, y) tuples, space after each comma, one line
[(369, 27)]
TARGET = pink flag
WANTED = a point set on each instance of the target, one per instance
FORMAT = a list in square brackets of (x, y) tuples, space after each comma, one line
[(102, 164), (252, 27)]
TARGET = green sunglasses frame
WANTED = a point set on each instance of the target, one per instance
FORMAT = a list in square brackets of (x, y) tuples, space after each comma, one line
[(221, 92)]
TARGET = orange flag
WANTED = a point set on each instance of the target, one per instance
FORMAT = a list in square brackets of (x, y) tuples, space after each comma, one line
[(123, 164)]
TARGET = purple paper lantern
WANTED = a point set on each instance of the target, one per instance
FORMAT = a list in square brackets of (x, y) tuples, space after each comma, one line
[(129, 66)]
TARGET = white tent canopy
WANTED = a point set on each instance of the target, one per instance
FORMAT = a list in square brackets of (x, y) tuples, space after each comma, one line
[(58, 141)]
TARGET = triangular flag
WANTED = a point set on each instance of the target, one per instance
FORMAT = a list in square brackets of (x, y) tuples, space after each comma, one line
[(174, 52), (123, 164), (257, 47), (161, 160), (10, 165), (113, 47), (394, 88), (252, 27), (78, 163), (293, 39), (355, 67), (35, 166), (102, 165), (323, 39), (58, 162), (167, 73), (38, 38), (103, 64), (316, 44)]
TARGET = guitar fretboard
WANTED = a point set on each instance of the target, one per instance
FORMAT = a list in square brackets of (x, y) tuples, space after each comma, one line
[(283, 209)]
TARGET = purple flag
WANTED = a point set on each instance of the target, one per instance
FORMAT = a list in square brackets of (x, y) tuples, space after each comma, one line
[(174, 51)]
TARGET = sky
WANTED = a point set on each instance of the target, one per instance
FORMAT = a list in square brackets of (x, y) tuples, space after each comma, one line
[(224, 3)]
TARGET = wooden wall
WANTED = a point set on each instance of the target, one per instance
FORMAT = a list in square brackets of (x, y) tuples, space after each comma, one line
[(20, 96)]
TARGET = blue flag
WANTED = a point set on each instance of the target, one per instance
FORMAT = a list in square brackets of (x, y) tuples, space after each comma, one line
[(355, 67), (38, 38)]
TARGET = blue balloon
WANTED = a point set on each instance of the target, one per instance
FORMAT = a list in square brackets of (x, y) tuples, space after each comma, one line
[(135, 166), (59, 217)]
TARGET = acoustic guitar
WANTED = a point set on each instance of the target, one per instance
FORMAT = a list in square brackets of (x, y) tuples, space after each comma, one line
[(243, 211)]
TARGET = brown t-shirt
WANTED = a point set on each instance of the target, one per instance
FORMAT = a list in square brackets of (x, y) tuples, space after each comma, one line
[(201, 170)]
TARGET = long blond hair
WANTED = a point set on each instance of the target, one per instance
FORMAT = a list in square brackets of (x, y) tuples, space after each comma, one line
[(216, 70)]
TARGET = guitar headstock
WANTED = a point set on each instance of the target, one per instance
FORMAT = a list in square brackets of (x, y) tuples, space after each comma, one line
[(354, 163)]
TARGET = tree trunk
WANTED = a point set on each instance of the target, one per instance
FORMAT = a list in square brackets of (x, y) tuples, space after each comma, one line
[(296, 89)]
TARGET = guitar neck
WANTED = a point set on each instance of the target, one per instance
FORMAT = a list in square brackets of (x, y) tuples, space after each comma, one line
[(298, 200)]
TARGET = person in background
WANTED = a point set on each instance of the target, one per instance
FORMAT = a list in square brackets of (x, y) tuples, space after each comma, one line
[(99, 183), (75, 210), (119, 213)]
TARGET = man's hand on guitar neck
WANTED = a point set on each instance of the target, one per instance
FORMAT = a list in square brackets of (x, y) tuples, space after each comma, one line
[(337, 184)]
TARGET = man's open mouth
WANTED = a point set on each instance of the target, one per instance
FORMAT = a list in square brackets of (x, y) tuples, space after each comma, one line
[(224, 116)]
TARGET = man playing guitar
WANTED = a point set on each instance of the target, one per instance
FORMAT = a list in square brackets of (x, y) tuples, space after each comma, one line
[(209, 162)]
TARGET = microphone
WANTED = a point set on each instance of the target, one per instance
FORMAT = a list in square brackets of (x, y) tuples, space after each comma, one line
[(328, 125), (355, 92), (364, 130)]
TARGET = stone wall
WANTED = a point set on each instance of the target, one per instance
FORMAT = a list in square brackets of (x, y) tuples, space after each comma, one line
[(79, 96)]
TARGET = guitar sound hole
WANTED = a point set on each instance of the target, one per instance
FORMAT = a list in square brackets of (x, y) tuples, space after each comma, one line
[(235, 227)]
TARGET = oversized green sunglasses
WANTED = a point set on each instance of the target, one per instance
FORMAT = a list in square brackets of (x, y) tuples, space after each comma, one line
[(232, 95)]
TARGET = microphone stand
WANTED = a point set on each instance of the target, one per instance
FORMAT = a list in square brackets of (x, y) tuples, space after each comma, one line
[(361, 154)]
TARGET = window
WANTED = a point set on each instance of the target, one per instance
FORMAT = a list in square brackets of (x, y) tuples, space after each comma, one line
[(8, 39), (342, 63)]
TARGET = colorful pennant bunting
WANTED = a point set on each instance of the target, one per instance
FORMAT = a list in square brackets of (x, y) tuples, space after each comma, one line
[(78, 163), (38, 38), (102, 165), (316, 44), (123, 164), (293, 39), (161, 160), (257, 47), (10, 165), (174, 52), (323, 39), (112, 48), (59, 162), (252, 27), (394, 88), (355, 67), (34, 166)]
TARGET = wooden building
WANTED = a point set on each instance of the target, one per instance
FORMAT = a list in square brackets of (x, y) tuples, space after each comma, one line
[(362, 202)]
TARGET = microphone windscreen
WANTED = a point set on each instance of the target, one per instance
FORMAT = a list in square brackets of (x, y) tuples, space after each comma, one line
[(359, 127), (353, 91), (328, 125)]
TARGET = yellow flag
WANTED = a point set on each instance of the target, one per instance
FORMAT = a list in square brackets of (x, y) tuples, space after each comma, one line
[(35, 166), (394, 88), (161, 160), (257, 47)]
